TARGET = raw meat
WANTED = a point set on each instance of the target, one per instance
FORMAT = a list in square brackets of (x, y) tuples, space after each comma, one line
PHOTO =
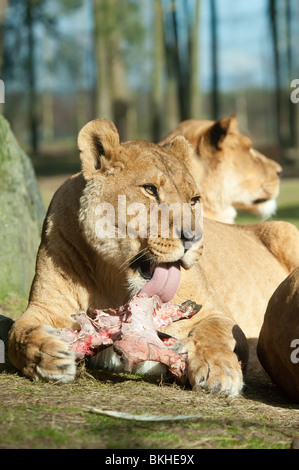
[(133, 331)]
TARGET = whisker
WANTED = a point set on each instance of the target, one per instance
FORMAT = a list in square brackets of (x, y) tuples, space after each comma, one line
[(140, 254), (126, 261)]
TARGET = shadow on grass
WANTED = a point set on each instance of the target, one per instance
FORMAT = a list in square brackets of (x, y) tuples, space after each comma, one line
[(119, 377), (260, 388), (99, 375)]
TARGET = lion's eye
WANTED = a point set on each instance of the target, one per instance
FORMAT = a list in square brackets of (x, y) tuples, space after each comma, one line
[(195, 200), (151, 190)]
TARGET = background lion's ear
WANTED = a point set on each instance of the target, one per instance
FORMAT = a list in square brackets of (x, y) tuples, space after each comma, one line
[(97, 140), (181, 147), (215, 135)]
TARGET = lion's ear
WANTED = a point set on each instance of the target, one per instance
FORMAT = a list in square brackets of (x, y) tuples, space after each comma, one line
[(97, 141), (181, 147), (215, 135)]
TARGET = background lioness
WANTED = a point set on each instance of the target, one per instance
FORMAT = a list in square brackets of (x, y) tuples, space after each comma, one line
[(232, 277), (230, 172)]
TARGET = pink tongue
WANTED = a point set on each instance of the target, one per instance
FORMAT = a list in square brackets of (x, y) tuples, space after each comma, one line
[(165, 282)]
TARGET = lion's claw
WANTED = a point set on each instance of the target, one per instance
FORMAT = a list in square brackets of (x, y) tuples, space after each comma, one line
[(215, 371), (47, 357)]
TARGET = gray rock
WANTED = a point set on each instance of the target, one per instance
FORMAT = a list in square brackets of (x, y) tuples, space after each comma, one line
[(5, 325), (21, 215)]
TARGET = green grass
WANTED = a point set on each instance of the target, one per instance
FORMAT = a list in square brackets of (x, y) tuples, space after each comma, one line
[(287, 205), (41, 415)]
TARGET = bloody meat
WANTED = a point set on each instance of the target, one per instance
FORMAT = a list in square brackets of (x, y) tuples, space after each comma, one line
[(133, 330)]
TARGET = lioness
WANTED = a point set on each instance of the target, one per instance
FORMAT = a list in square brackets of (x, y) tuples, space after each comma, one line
[(278, 344), (232, 277), (231, 174)]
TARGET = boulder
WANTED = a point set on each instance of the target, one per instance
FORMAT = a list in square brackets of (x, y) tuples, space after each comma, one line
[(21, 215), (5, 325), (278, 344)]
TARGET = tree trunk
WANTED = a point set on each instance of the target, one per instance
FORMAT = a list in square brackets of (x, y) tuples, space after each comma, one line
[(47, 95), (214, 59), (173, 114), (48, 115), (181, 73), (291, 107), (120, 92), (112, 94), (33, 102), (276, 60), (157, 94), (103, 74), (3, 6), (119, 97), (296, 107), (194, 62)]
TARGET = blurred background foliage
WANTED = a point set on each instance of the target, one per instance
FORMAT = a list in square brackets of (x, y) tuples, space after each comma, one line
[(147, 65)]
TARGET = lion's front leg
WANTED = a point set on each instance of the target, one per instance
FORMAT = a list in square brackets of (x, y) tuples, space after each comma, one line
[(36, 350), (213, 364)]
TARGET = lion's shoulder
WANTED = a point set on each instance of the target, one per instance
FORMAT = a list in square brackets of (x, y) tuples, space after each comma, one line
[(281, 238)]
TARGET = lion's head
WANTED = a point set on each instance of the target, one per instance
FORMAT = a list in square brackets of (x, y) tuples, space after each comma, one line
[(125, 183), (229, 171)]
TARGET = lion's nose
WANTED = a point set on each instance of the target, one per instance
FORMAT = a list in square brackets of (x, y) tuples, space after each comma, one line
[(279, 172), (187, 235), (188, 238)]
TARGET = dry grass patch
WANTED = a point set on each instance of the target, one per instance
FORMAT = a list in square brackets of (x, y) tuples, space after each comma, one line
[(42, 415)]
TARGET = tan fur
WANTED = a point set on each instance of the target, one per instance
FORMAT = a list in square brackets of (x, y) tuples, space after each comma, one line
[(232, 277), (231, 174), (276, 350)]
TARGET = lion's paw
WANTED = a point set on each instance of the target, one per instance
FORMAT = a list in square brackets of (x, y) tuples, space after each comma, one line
[(215, 371), (48, 357)]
